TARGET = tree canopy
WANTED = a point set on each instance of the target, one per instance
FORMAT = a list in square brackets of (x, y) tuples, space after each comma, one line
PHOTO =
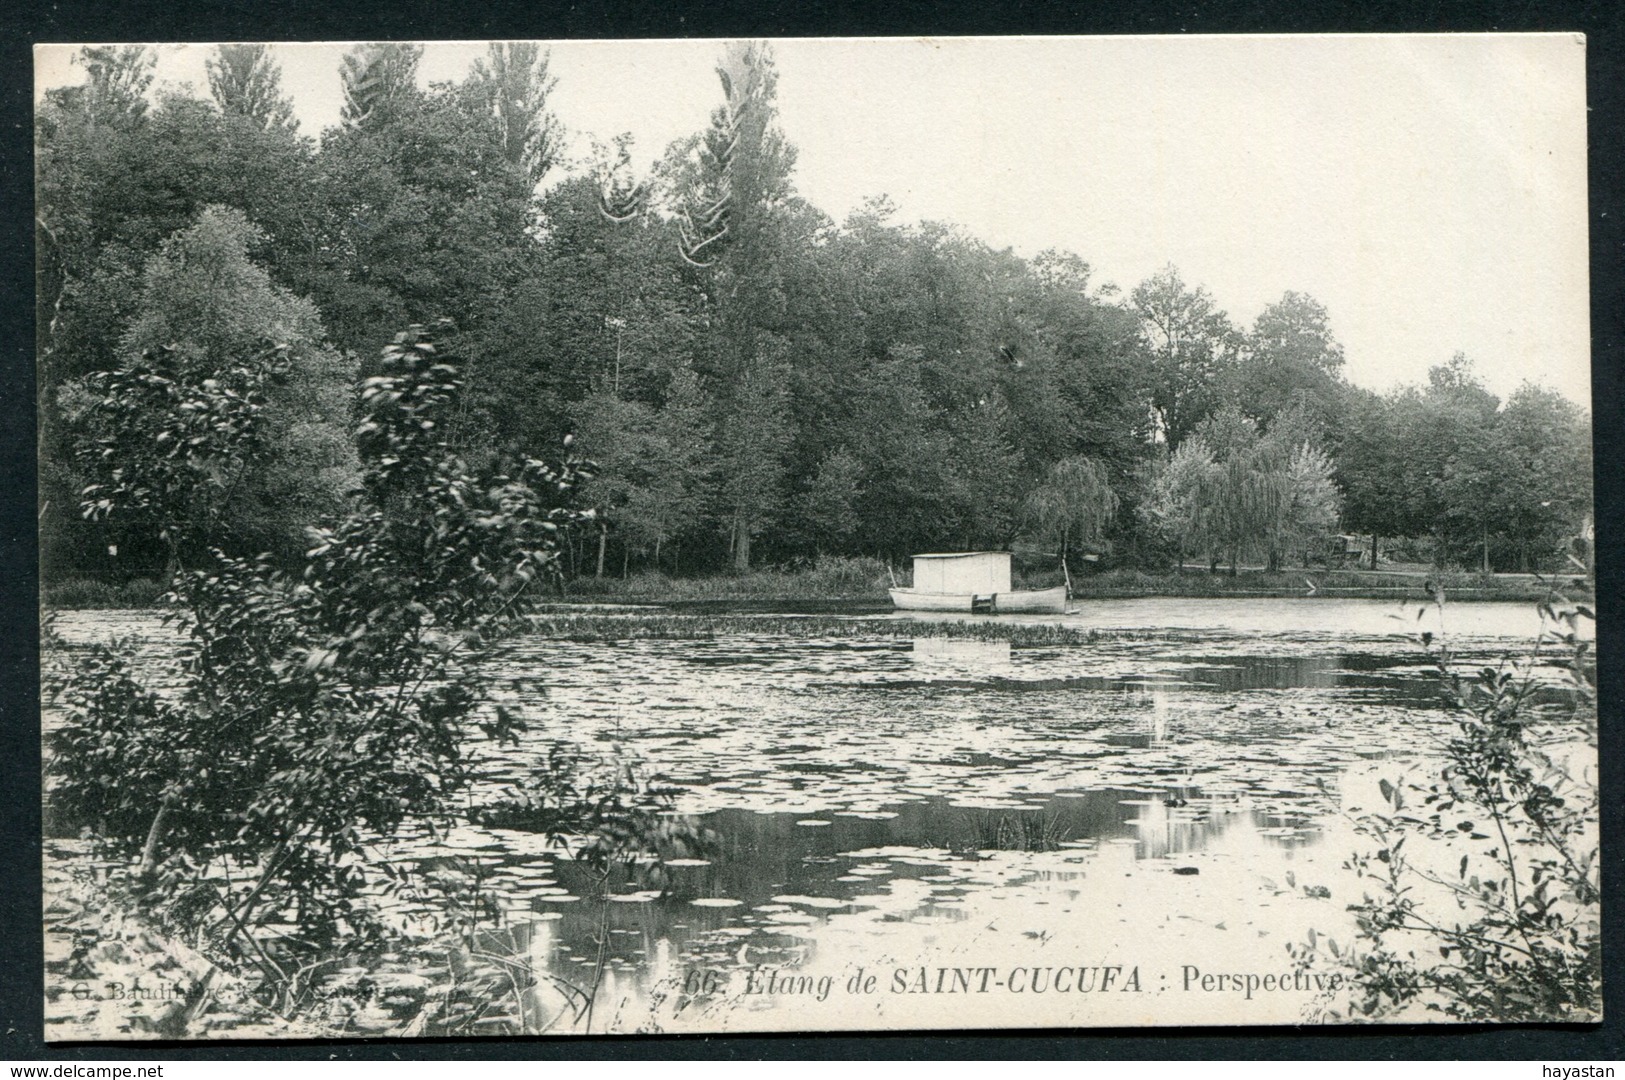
[(763, 383)]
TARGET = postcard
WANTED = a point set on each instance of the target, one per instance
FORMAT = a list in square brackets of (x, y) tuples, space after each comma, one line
[(685, 536)]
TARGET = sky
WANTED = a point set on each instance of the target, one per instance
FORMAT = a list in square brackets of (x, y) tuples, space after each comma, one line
[(1429, 190)]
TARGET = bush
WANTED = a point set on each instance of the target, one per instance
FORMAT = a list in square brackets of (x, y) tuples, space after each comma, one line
[(1484, 891), (830, 577), (322, 709)]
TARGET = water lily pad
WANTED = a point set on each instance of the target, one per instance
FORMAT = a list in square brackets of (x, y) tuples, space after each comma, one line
[(813, 901), (643, 896)]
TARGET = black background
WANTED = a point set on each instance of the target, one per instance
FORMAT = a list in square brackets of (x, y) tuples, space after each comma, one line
[(24, 22)]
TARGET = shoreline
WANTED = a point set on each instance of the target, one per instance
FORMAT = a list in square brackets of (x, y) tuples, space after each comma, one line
[(712, 600)]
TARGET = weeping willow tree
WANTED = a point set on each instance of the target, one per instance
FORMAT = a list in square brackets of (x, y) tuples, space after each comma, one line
[(1178, 506), (1264, 499), (1072, 507)]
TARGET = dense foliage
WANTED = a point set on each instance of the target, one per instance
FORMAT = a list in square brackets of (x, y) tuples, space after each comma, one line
[(762, 383), (318, 710)]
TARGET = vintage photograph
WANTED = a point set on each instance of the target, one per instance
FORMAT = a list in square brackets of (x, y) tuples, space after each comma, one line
[(712, 536)]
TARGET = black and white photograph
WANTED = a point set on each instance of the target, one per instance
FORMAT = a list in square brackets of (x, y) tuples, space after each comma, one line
[(655, 537)]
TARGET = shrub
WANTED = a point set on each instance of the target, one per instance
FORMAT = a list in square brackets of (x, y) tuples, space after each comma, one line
[(1484, 892), (322, 708)]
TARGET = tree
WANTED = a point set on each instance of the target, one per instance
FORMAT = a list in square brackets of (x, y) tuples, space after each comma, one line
[(1178, 506), (318, 706), (109, 197), (114, 93), (1543, 485), (1291, 358), (245, 81), (1239, 506), (616, 432), (650, 464), (242, 405), (1370, 470), (1312, 512), (983, 486), (741, 172), (1264, 493), (752, 436), (1491, 484), (1453, 459), (167, 448), (732, 197), (905, 493), (515, 81), (1193, 349), (109, 194), (379, 80), (606, 303), (829, 504), (420, 215), (1073, 506), (675, 500)]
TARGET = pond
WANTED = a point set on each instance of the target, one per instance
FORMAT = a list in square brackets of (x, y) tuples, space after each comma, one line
[(908, 830)]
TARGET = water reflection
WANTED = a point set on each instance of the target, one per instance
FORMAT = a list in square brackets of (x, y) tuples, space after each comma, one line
[(772, 883), (960, 663), (966, 654), (1159, 730)]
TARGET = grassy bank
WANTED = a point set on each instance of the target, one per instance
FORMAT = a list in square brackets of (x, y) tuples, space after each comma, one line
[(1357, 584), (843, 585), (832, 579), (87, 593), (865, 581)]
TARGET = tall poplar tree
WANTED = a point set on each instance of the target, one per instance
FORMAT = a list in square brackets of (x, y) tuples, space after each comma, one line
[(730, 229), (515, 83), (245, 81)]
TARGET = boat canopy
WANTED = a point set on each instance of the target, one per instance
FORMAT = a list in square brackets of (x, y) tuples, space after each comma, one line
[(980, 572)]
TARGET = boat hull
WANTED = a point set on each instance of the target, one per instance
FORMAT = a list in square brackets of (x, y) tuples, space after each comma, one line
[(1037, 601)]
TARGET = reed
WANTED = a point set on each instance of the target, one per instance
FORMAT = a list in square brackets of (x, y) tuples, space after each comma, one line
[(1034, 831), (88, 593), (659, 626), (830, 578)]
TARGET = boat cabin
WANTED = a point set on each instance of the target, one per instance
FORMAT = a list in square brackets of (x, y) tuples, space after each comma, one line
[(972, 572)]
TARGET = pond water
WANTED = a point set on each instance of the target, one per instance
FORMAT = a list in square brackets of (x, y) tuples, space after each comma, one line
[(959, 820)]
